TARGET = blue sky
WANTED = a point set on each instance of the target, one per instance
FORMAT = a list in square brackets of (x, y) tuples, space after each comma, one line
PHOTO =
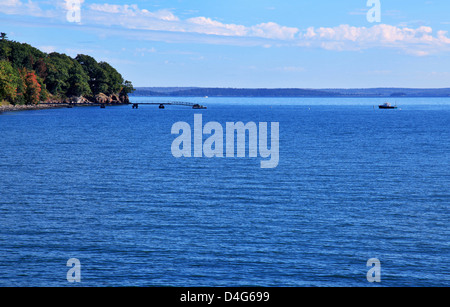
[(247, 43)]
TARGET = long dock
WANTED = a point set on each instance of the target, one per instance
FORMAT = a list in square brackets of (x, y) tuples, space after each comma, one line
[(134, 105), (162, 104)]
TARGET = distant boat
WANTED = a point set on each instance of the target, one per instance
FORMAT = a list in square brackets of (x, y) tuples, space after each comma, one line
[(387, 105), (198, 106), (161, 106)]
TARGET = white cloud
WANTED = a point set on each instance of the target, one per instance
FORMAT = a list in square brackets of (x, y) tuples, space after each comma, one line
[(419, 41), (208, 26), (27, 8), (133, 10), (131, 16), (272, 30), (110, 8), (164, 24)]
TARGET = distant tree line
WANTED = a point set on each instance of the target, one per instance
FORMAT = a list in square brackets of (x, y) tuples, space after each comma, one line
[(290, 92), (234, 92), (28, 75)]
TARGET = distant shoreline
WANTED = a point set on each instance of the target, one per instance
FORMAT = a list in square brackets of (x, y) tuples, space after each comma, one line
[(291, 92)]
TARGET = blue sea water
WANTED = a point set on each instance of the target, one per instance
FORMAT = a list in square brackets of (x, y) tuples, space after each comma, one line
[(353, 183)]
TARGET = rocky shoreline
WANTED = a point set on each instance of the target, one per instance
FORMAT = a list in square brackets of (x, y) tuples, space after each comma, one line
[(11, 108), (69, 102)]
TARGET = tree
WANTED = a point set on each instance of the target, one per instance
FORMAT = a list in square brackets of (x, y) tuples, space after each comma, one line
[(41, 68), (57, 79), (113, 79), (32, 93), (5, 50), (28, 75), (9, 81), (92, 70), (127, 88), (22, 55), (103, 78), (78, 82), (44, 95)]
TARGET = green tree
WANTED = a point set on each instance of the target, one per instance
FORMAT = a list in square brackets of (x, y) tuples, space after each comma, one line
[(93, 71), (23, 55), (113, 79), (78, 81), (9, 82), (127, 88), (44, 95), (103, 78), (58, 66), (5, 50)]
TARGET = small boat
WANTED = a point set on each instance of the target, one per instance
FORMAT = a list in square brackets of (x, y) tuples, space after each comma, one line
[(198, 106), (387, 105), (161, 106)]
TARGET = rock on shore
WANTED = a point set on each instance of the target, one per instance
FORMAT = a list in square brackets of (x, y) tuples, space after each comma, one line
[(53, 103), (11, 108)]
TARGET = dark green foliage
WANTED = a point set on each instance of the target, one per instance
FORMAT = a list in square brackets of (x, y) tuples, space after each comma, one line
[(102, 77), (9, 81), (127, 88), (57, 75), (114, 80), (78, 81)]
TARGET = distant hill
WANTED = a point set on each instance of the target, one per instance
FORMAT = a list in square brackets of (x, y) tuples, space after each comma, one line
[(288, 92)]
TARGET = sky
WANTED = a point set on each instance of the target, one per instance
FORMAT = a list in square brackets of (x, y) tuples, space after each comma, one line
[(246, 43)]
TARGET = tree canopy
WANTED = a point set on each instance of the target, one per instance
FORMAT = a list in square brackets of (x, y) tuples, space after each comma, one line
[(28, 75)]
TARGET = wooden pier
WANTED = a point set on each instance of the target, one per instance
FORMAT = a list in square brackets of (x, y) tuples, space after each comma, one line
[(160, 104)]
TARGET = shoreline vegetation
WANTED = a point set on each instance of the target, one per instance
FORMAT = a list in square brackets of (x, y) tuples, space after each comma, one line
[(31, 79)]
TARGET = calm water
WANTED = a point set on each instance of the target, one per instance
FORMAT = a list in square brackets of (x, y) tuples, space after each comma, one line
[(353, 183)]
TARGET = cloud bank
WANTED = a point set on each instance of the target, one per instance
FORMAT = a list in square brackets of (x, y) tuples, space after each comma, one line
[(420, 41)]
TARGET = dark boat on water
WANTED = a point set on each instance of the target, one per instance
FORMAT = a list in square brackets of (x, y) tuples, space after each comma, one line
[(198, 106), (387, 105)]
